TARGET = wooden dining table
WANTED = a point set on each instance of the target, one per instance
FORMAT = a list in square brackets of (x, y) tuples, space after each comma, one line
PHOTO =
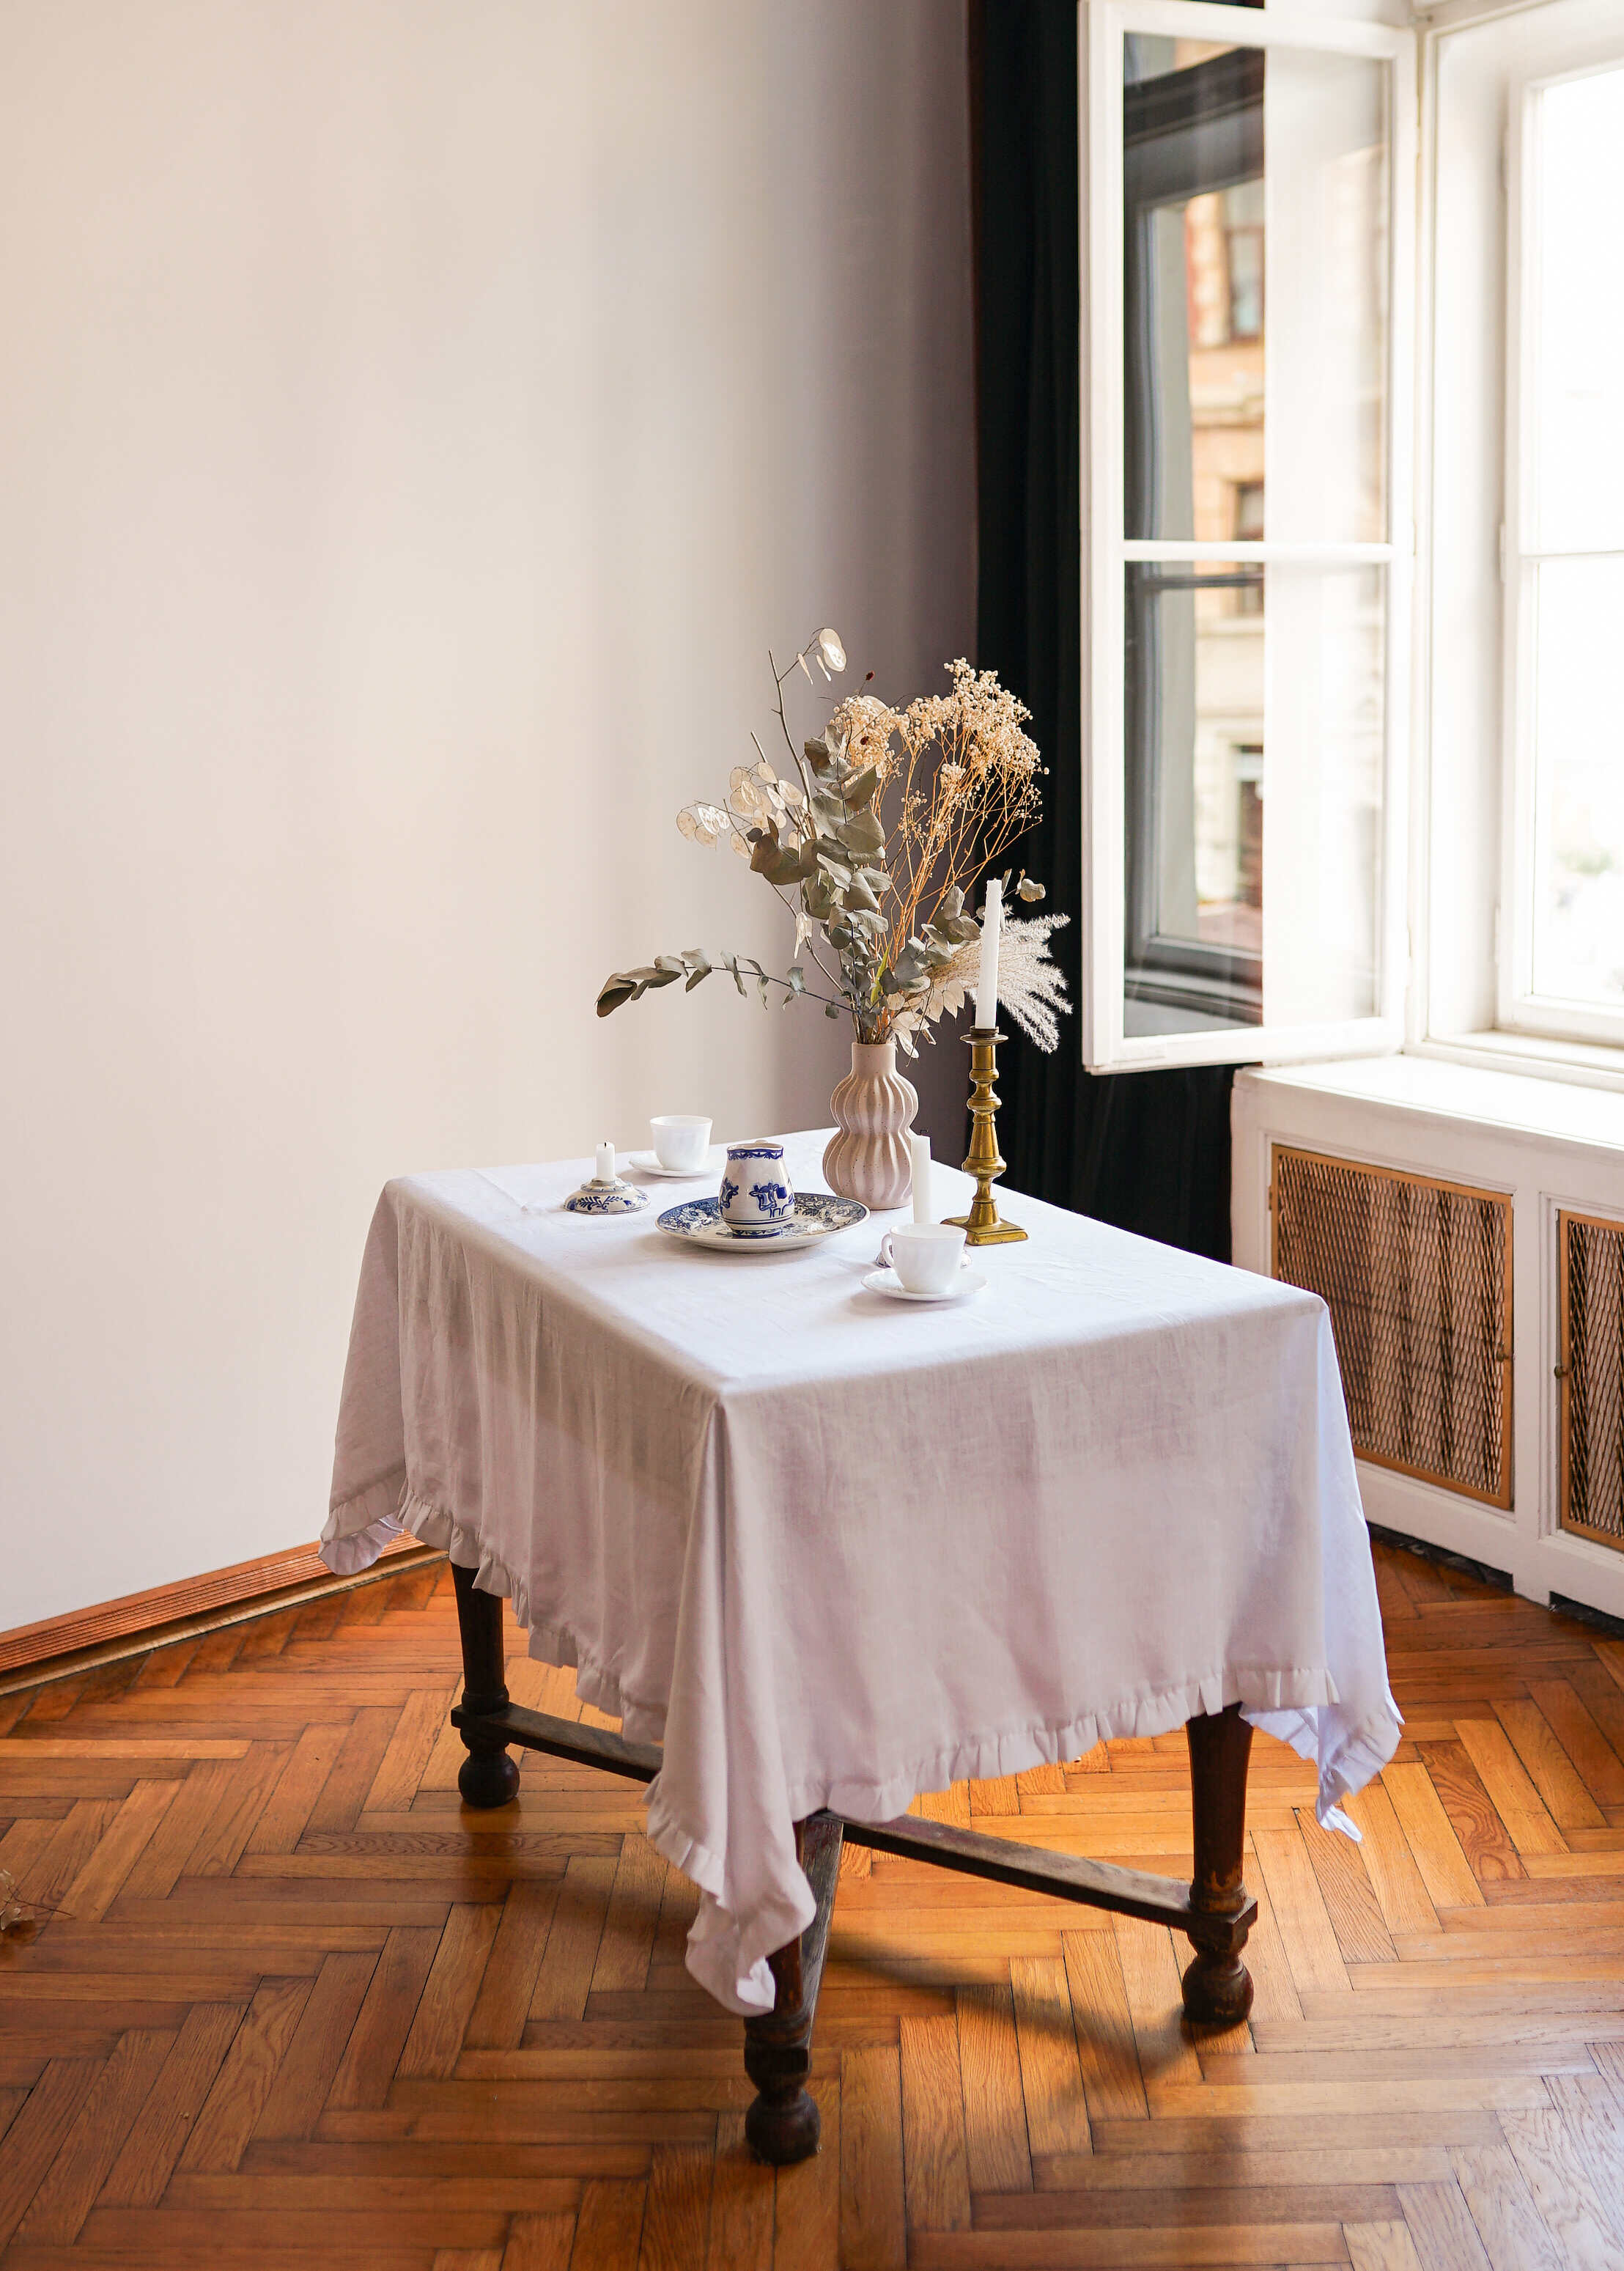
[(818, 1551)]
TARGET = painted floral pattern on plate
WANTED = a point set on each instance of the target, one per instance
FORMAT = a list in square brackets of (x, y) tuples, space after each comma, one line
[(817, 1214)]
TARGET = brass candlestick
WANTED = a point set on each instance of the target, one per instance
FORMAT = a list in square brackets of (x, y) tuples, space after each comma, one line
[(982, 1226)]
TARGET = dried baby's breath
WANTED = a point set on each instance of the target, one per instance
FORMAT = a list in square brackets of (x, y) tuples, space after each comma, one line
[(866, 728)]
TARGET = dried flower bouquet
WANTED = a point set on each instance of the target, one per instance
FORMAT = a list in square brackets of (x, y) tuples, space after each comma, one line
[(873, 847)]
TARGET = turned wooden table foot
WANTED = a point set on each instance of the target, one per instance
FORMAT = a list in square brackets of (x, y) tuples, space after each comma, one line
[(487, 1775), (783, 2123), (1218, 1986)]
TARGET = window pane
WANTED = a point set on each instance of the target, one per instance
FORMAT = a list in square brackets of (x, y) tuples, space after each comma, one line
[(1195, 716), (1579, 784), (1254, 292), (1255, 740), (1327, 758), (1578, 347)]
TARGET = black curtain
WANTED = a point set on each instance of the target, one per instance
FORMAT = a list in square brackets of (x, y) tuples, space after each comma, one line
[(1149, 1151)]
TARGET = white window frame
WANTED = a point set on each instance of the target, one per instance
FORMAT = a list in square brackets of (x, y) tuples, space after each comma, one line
[(1106, 1047), (1519, 1008)]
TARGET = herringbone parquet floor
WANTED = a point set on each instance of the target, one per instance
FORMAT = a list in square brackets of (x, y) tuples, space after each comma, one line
[(293, 2008)]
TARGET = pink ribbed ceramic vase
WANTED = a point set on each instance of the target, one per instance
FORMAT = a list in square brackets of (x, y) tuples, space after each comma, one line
[(873, 1109)]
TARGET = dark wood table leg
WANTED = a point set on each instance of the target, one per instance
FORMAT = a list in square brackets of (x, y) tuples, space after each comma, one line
[(1215, 1911), (1218, 1986), (783, 2123), (488, 1776)]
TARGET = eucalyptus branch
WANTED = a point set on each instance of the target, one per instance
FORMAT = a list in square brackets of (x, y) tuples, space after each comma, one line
[(694, 964), (811, 946), (801, 993)]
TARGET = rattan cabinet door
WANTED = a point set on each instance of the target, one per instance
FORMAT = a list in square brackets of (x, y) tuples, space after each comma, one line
[(1591, 1370), (1417, 1275)]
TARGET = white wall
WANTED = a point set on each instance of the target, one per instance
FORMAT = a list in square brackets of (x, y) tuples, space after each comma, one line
[(415, 420)]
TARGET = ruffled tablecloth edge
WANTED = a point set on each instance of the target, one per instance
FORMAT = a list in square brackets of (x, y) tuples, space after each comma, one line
[(1283, 1700), (374, 1518), (364, 1534)]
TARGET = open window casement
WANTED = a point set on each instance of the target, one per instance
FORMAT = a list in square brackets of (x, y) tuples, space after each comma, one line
[(1247, 187)]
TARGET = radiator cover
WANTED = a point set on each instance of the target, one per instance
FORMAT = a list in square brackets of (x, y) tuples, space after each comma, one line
[(1416, 1273), (1590, 1369)]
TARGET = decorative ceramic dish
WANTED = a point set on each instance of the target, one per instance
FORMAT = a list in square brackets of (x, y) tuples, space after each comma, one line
[(606, 1198), (817, 1215), (887, 1282)]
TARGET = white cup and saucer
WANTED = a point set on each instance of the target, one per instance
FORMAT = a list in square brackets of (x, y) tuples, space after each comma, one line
[(682, 1147), (923, 1262)]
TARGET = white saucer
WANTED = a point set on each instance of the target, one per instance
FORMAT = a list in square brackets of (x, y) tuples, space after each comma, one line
[(887, 1281), (648, 1163)]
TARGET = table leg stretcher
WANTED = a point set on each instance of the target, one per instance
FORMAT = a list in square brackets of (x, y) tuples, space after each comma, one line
[(1214, 1911)]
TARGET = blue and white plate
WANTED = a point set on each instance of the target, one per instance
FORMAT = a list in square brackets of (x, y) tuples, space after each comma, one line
[(817, 1215)]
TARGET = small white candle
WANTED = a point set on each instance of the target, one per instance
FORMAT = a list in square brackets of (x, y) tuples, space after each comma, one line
[(605, 1170), (919, 1146), (987, 990)]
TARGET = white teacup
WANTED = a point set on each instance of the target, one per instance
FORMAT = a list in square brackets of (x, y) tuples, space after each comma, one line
[(680, 1141), (758, 1198), (925, 1254)]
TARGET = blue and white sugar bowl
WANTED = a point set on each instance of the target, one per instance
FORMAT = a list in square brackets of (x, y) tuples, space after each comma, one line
[(758, 1198)]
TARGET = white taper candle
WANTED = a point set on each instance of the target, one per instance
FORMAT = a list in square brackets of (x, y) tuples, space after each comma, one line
[(987, 988), (919, 1148), (603, 1171)]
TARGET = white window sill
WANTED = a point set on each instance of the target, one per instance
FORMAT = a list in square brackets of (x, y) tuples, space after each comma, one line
[(1584, 1064), (1481, 1091)]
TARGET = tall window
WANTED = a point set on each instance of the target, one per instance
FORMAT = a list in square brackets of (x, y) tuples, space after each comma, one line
[(1193, 401), (1565, 572), (1261, 879), (1244, 631)]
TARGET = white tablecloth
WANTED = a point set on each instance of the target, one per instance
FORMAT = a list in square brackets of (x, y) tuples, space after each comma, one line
[(833, 1550)]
